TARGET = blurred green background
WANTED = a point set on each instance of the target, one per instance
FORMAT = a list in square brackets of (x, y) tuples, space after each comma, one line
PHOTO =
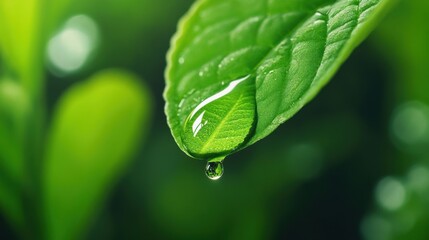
[(94, 159)]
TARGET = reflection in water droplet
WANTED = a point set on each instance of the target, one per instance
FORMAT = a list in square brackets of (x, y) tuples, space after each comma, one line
[(198, 124), (217, 96), (214, 170), (181, 103)]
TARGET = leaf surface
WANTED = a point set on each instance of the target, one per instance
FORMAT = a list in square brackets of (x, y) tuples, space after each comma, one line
[(290, 49)]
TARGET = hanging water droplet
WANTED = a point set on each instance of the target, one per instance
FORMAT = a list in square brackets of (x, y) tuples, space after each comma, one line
[(214, 170)]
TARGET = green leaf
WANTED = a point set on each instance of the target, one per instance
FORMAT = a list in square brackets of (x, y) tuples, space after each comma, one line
[(14, 104), (20, 44), (288, 49), (96, 129), (11, 204), (408, 62), (25, 26)]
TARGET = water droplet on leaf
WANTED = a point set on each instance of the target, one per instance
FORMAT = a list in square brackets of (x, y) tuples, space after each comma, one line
[(214, 170), (221, 122)]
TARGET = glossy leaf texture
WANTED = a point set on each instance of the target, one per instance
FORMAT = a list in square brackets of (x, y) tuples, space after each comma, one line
[(96, 130), (289, 49)]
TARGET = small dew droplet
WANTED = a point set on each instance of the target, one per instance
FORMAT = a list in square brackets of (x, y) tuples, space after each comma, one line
[(181, 60), (214, 170)]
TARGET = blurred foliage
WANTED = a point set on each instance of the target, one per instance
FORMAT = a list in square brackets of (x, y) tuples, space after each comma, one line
[(108, 111), (352, 165), (64, 171), (401, 202)]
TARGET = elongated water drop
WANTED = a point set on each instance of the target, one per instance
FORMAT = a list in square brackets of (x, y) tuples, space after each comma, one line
[(221, 122), (214, 170)]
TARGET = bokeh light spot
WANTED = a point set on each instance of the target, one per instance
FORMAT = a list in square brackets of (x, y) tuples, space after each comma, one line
[(69, 50), (375, 227), (418, 178), (12, 98), (410, 123), (390, 194)]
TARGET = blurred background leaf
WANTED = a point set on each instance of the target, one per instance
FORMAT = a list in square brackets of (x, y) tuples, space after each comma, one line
[(13, 108), (19, 77), (94, 133), (20, 41)]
